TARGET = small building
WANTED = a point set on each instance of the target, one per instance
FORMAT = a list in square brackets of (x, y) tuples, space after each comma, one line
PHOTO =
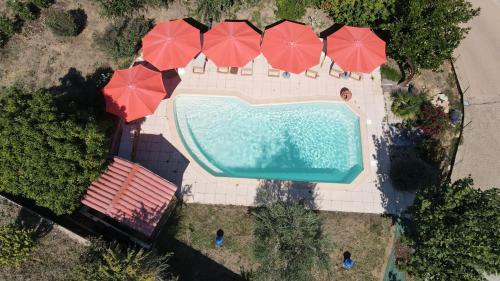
[(130, 199)]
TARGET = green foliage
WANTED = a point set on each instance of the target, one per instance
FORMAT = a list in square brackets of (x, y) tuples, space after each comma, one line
[(212, 9), (427, 32), (22, 10), (406, 105), (412, 174), (122, 38), (120, 8), (41, 3), (292, 9), (51, 147), (7, 29), (61, 23), (15, 245), (456, 232), (359, 12), (114, 263), (390, 73), (289, 243)]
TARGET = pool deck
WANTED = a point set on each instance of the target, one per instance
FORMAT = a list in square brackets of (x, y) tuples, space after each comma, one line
[(159, 147)]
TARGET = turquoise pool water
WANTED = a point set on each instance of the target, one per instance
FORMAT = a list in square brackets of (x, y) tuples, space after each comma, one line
[(312, 142)]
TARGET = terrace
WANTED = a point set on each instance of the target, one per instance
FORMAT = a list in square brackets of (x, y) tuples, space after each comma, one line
[(159, 148)]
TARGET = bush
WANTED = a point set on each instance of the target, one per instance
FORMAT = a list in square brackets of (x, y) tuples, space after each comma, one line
[(406, 105), (212, 9), (432, 120), (110, 263), (7, 25), (15, 245), (122, 38), (61, 23), (292, 9), (52, 146), (42, 3), (390, 73), (118, 8), (412, 175), (24, 11)]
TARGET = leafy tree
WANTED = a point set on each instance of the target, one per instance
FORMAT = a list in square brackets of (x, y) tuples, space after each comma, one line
[(212, 9), (61, 23), (359, 12), (114, 263), (22, 10), (42, 3), (406, 105), (7, 29), (456, 232), (426, 32), (15, 245), (123, 38), (289, 242), (118, 8), (51, 147)]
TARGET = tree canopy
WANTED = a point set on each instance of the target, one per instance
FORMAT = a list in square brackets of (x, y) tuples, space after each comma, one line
[(289, 242), (456, 232), (427, 32), (359, 12), (51, 147)]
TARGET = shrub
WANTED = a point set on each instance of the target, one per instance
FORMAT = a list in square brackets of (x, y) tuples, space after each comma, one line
[(110, 263), (118, 8), (359, 12), (15, 245), (390, 73), (42, 3), (212, 9), (52, 146), (432, 120), (61, 23), (406, 105), (122, 38), (412, 175), (7, 25), (291, 9), (289, 243), (24, 11)]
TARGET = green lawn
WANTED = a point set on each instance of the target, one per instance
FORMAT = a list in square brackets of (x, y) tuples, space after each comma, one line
[(390, 73), (366, 236)]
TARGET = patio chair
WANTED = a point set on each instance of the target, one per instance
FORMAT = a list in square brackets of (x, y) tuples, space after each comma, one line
[(313, 72), (223, 69), (356, 76), (247, 70), (335, 70), (272, 72), (199, 63)]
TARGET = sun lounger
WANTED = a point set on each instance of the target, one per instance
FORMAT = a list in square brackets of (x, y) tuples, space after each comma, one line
[(312, 72), (273, 72), (356, 75), (224, 69), (199, 64), (335, 70), (247, 70)]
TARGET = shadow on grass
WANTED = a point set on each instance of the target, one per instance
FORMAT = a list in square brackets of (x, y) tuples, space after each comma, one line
[(32, 221)]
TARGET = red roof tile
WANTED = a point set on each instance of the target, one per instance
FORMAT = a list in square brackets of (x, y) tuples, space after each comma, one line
[(130, 194)]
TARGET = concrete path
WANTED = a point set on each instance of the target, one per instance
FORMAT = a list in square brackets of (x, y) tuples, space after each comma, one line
[(478, 69)]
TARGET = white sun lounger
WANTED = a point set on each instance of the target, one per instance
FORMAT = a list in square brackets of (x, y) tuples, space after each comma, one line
[(223, 69), (335, 70), (199, 63), (272, 72), (355, 75), (313, 72), (247, 70)]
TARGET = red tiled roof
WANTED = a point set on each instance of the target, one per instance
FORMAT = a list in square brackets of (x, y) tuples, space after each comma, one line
[(130, 194)]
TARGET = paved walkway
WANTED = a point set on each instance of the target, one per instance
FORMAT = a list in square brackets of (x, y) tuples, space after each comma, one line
[(478, 69), (159, 148)]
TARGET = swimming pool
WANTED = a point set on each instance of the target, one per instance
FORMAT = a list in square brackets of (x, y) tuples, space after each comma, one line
[(309, 141)]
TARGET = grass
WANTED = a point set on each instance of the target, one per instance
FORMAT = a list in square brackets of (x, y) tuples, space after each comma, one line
[(390, 73), (366, 236)]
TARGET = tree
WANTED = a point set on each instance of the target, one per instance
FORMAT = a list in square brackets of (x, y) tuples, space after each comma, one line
[(61, 23), (15, 245), (426, 32), (289, 242), (456, 232), (114, 263), (291, 9), (51, 147), (359, 12)]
